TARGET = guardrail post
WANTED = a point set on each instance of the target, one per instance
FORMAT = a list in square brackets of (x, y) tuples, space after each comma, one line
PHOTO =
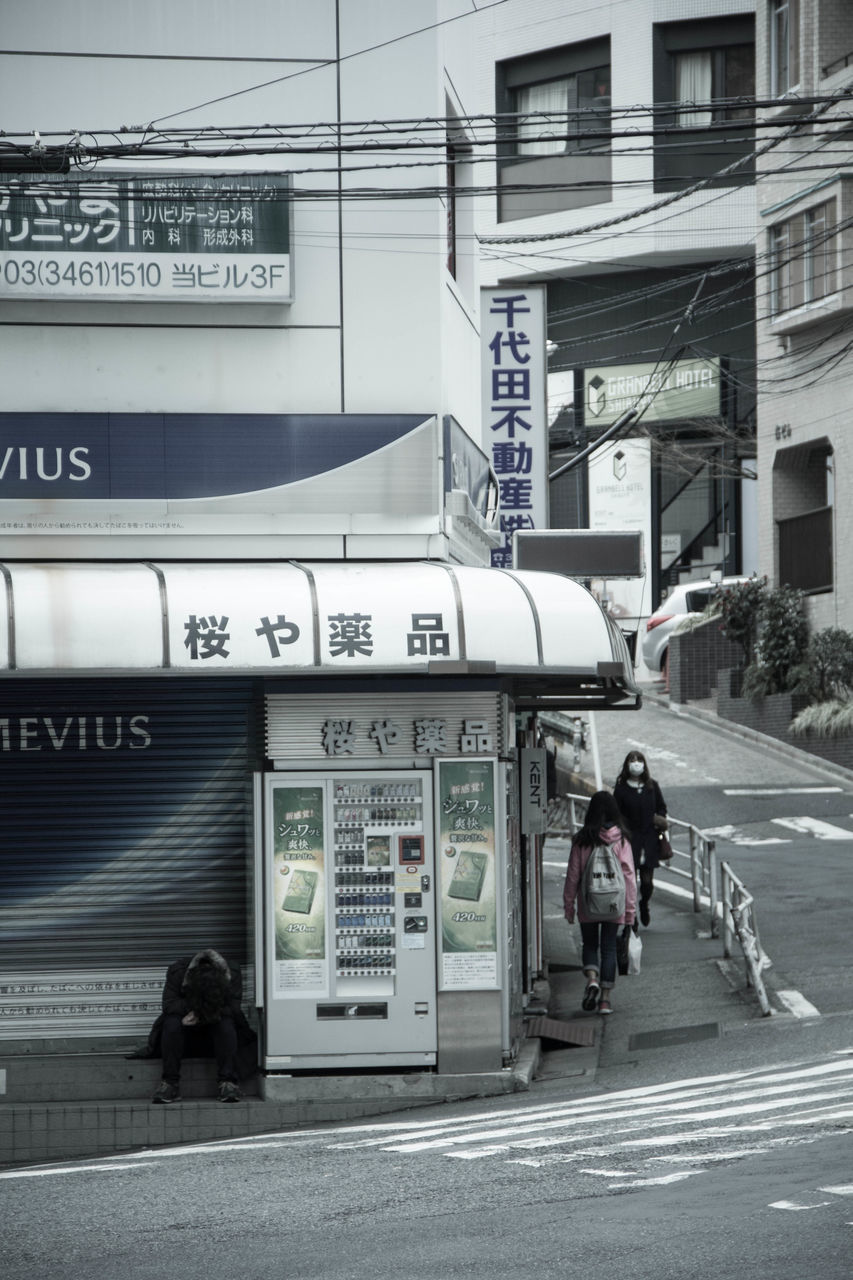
[(713, 894)]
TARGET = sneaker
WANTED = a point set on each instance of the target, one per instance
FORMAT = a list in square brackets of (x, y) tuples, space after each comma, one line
[(604, 1006), (228, 1092), (590, 996), (644, 913), (166, 1092)]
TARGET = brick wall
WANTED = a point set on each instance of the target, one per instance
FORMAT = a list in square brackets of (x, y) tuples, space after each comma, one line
[(773, 714), (695, 657)]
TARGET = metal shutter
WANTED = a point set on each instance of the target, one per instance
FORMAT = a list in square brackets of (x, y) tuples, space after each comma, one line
[(125, 812)]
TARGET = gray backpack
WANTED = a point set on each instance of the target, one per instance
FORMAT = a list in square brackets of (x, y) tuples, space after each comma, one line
[(602, 889)]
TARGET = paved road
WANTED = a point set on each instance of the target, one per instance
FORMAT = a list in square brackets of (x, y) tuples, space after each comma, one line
[(731, 1173)]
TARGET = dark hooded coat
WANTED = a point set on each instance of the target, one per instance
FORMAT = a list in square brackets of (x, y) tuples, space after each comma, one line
[(175, 1002)]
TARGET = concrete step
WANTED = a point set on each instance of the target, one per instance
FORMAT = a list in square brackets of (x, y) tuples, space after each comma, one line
[(93, 1075)]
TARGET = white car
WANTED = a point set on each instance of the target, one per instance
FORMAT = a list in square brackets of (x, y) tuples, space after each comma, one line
[(687, 598)]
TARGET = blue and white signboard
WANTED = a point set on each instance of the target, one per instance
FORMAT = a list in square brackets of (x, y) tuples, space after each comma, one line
[(149, 476), (515, 429)]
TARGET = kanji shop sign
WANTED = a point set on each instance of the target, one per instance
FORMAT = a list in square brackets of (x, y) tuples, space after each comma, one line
[(514, 407), (424, 736), (161, 238)]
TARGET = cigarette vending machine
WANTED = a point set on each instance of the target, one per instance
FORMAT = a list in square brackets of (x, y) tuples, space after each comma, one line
[(349, 894)]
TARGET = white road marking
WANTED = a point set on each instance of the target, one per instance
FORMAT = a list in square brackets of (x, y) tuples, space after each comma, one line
[(815, 827), (846, 1189), (735, 1113), (796, 1208), (736, 836), (797, 1004), (779, 791), (53, 1171)]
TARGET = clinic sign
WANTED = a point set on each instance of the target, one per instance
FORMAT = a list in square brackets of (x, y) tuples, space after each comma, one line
[(515, 429), (158, 238), (681, 389)]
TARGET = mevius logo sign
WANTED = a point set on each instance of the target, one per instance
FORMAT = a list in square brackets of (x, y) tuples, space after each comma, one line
[(74, 733), (40, 463)]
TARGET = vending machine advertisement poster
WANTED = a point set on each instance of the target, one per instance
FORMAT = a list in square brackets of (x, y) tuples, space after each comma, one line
[(299, 892), (467, 878)]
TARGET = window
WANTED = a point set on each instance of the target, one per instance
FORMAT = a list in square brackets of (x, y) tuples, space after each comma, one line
[(451, 209), (803, 502), (554, 116), (553, 130), (780, 268), (704, 77), (712, 75), (802, 258), (819, 253), (784, 46)]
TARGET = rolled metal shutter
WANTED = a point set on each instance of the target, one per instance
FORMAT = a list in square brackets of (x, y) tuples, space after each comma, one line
[(125, 812)]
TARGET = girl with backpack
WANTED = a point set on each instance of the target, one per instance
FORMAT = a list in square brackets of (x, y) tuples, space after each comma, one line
[(642, 806), (602, 911)]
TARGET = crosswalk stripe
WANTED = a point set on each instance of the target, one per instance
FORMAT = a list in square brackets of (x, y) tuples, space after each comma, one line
[(778, 791), (814, 826), (817, 1090)]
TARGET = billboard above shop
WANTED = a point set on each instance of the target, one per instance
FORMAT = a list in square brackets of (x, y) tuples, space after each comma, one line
[(135, 484), (662, 393), (157, 238)]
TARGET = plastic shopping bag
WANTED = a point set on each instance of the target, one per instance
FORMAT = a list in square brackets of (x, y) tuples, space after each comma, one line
[(635, 952)]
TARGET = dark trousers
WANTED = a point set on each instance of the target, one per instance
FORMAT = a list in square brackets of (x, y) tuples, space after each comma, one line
[(600, 939), (647, 882), (218, 1040)]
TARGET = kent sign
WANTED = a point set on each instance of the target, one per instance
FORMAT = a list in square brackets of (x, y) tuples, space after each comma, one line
[(159, 238)]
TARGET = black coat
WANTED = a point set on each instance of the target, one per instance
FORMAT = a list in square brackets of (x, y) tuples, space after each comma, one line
[(175, 1002), (638, 808)]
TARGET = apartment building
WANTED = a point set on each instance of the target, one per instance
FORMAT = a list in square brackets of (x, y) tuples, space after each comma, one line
[(624, 183), (804, 296)]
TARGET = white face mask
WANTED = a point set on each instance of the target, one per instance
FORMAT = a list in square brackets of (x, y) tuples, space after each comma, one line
[(635, 768)]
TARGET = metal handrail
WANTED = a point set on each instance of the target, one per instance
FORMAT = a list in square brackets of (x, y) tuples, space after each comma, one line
[(739, 921)]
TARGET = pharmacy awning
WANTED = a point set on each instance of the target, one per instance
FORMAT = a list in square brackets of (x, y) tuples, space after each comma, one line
[(541, 636)]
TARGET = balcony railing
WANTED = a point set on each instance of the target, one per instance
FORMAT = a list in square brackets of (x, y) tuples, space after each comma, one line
[(837, 65)]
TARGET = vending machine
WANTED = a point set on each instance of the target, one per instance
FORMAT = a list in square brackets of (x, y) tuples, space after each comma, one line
[(349, 901)]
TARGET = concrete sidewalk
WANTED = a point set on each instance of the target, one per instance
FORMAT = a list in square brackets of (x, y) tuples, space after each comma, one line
[(686, 990)]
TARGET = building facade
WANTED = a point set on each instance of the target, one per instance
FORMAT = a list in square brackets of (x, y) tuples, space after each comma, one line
[(261, 690), (624, 181), (805, 74)]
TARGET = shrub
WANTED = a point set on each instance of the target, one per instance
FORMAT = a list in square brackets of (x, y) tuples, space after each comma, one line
[(827, 672), (740, 608), (832, 719), (783, 635)]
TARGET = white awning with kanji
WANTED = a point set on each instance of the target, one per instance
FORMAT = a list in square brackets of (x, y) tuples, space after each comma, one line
[(543, 636)]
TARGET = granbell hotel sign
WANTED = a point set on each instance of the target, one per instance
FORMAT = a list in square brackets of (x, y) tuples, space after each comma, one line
[(158, 238)]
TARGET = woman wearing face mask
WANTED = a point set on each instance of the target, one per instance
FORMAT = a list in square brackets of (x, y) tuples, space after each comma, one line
[(642, 806)]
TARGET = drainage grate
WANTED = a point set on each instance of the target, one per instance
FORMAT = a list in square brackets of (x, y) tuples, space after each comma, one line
[(674, 1035)]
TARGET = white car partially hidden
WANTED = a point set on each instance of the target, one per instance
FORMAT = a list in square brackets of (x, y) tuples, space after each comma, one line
[(685, 599)]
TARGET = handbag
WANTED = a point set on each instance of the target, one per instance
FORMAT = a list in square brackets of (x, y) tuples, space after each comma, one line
[(635, 952), (664, 847)]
